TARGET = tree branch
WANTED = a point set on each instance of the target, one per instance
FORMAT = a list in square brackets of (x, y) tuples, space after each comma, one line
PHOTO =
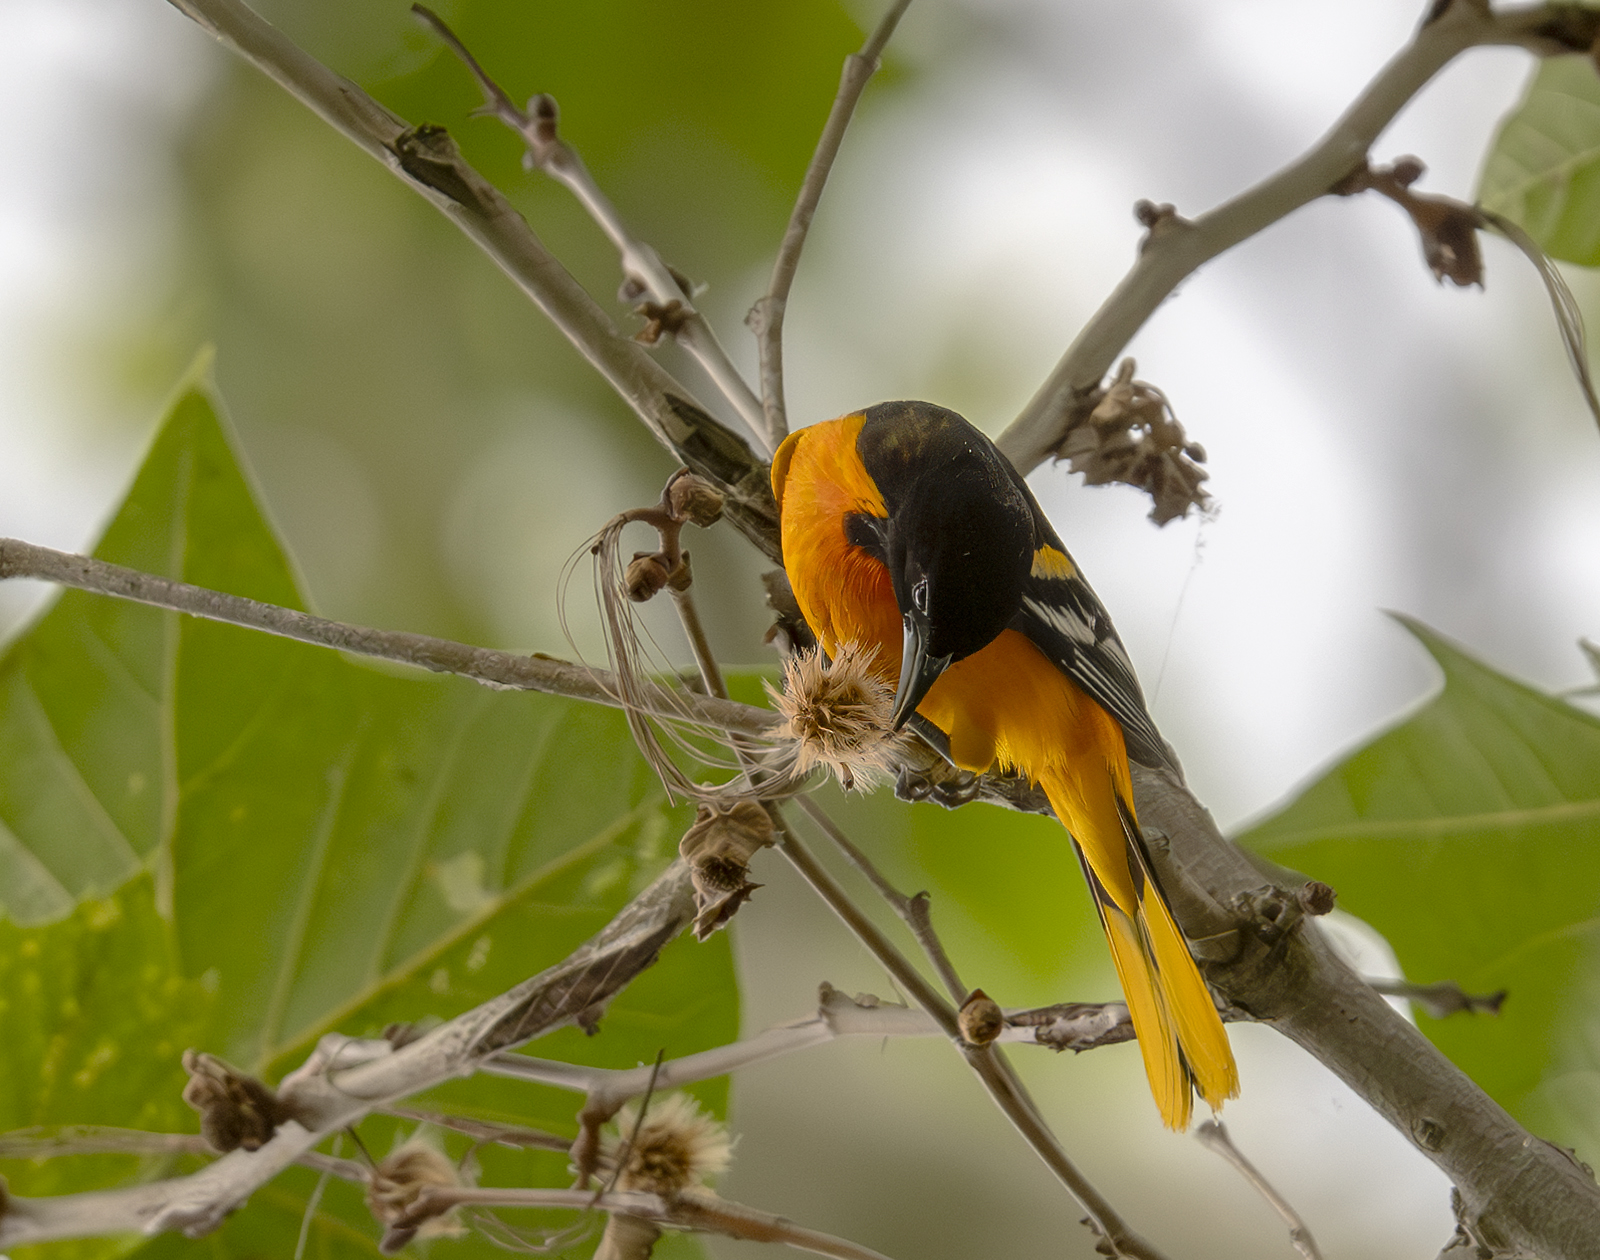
[(1176, 247), (485, 665), (427, 161), (343, 1080), (767, 315), (670, 306)]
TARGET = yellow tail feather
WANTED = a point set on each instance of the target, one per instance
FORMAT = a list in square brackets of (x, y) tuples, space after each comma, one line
[(1180, 1033)]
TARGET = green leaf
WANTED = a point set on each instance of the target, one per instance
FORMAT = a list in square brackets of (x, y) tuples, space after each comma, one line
[(96, 1016), (87, 695), (332, 845), (1469, 835), (1543, 170)]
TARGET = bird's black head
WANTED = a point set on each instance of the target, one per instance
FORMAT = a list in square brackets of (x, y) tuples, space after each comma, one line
[(958, 539)]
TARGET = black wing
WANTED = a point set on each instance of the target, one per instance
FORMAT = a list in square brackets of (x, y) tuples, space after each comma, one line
[(1068, 623)]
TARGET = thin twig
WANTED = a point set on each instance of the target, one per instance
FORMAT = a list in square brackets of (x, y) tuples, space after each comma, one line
[(1065, 1026), (767, 315), (1168, 256), (642, 267), (484, 1133), (315, 1201), (485, 665), (703, 1212), (1443, 999), (1214, 1137), (914, 910)]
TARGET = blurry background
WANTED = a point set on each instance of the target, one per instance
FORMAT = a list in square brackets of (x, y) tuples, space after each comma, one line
[(433, 451)]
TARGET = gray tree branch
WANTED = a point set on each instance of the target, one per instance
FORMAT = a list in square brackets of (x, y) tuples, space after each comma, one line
[(1177, 247), (485, 665)]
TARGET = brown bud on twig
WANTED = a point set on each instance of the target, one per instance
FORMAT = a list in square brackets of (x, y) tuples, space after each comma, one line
[(237, 1112), (718, 849), (398, 1183), (1449, 231), (661, 318), (1158, 220), (980, 1019), (1132, 437), (646, 576), (681, 579), (1317, 898), (694, 499), (1448, 228)]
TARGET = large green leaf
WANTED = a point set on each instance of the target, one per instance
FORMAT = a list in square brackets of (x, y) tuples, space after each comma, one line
[(315, 844), (1469, 835), (1543, 170)]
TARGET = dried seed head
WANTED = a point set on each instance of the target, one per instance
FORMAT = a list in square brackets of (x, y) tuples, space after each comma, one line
[(677, 1147), (237, 1112), (1132, 437), (718, 849), (839, 713), (399, 1181)]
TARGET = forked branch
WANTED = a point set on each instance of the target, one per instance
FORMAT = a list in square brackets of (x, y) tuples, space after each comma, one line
[(1181, 246)]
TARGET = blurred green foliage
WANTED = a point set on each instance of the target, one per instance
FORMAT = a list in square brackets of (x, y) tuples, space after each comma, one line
[(1469, 835), (333, 847), (1543, 169), (432, 444)]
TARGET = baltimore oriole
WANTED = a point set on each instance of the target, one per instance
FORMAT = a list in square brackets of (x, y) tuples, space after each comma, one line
[(905, 529)]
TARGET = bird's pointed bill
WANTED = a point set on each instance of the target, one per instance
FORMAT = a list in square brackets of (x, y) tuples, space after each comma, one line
[(918, 672)]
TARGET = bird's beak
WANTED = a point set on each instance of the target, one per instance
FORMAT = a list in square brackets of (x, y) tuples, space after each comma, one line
[(918, 671)]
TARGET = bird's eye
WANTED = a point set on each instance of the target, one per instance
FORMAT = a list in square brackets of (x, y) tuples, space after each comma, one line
[(919, 596)]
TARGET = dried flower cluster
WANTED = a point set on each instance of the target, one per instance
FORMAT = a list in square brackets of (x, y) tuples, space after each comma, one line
[(399, 1181), (838, 714), (1132, 437), (718, 849), (237, 1112)]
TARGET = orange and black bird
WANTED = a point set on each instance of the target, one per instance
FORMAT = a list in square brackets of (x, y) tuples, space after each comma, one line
[(906, 530)]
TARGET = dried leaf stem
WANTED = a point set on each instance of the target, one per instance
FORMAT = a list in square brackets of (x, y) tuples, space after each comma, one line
[(1173, 253), (767, 315)]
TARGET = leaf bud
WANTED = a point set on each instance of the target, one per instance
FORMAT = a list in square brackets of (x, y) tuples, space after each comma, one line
[(696, 500), (646, 576), (980, 1019)]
